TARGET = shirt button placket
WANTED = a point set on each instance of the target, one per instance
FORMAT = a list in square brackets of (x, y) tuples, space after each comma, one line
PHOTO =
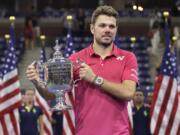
[(101, 62)]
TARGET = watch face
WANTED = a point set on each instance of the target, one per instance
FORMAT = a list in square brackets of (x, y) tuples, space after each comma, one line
[(99, 81)]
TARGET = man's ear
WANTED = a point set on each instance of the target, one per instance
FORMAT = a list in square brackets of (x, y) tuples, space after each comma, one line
[(92, 28)]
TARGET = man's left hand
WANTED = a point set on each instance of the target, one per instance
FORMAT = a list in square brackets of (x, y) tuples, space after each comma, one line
[(86, 73)]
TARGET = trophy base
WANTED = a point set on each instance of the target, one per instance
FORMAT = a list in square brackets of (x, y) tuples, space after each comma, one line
[(61, 107)]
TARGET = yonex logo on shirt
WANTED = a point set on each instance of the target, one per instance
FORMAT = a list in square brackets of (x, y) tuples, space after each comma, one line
[(120, 57)]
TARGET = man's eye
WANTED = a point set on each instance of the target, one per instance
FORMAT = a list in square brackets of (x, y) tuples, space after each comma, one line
[(112, 26), (102, 25)]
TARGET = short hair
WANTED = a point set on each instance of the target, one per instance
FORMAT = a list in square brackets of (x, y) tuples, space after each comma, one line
[(104, 10), (23, 91), (140, 90)]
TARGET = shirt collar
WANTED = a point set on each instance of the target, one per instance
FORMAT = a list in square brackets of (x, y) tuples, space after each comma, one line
[(113, 53)]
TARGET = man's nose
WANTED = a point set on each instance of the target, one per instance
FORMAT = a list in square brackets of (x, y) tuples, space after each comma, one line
[(107, 28)]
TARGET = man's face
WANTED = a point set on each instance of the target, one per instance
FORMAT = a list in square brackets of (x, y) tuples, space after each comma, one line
[(104, 30), (139, 97), (29, 96), (23, 98), (149, 97)]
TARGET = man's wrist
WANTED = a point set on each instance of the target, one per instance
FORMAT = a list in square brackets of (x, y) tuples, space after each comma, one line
[(94, 79), (98, 80), (37, 84)]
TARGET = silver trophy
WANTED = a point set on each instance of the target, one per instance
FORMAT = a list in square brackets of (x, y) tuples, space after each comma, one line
[(58, 73)]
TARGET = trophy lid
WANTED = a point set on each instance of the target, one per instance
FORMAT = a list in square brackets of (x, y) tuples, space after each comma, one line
[(57, 54)]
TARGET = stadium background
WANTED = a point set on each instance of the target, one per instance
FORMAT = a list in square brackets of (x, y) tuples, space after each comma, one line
[(51, 15), (136, 30)]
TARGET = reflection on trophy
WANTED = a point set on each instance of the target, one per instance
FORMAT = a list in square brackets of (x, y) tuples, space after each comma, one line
[(58, 73)]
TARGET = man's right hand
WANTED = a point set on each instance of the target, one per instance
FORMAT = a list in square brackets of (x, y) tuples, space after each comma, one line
[(33, 76), (32, 73)]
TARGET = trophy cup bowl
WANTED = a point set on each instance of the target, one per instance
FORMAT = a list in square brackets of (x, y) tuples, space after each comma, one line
[(58, 73)]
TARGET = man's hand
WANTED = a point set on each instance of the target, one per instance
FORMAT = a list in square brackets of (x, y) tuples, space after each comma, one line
[(32, 73), (33, 76), (86, 73)]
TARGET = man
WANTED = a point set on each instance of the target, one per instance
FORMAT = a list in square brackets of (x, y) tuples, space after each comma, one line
[(57, 123), (149, 99), (108, 80), (30, 116), (141, 117)]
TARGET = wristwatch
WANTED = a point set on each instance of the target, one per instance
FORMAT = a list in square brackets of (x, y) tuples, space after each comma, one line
[(98, 80)]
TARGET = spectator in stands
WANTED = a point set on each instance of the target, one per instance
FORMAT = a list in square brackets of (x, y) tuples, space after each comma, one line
[(157, 47), (156, 17), (149, 99), (108, 79), (35, 23), (30, 116), (23, 97), (175, 8), (176, 32), (36, 27), (80, 16), (141, 117), (28, 33)]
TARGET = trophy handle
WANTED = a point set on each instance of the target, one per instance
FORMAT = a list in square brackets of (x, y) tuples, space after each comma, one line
[(77, 65), (75, 82)]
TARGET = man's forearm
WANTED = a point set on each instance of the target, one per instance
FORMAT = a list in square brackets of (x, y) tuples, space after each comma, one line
[(124, 90), (44, 91)]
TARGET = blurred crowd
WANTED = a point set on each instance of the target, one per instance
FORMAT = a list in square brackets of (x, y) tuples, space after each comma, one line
[(32, 29)]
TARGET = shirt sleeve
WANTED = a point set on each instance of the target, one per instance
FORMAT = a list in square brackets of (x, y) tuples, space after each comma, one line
[(19, 109), (131, 69), (40, 111)]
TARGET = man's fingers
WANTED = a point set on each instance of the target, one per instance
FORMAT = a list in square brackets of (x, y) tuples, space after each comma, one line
[(32, 66), (31, 71), (33, 63), (83, 65), (82, 73)]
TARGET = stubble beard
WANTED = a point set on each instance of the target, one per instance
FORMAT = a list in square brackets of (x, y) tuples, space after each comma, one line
[(104, 44)]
